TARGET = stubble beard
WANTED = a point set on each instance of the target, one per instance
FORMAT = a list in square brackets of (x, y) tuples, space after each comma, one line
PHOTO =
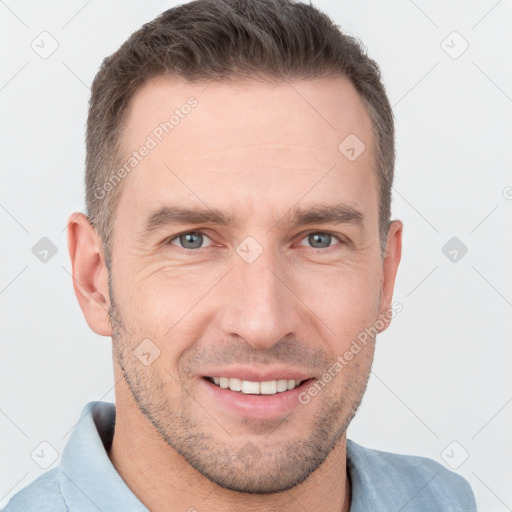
[(256, 466)]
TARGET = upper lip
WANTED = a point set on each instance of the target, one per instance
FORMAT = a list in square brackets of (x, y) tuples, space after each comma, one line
[(258, 375)]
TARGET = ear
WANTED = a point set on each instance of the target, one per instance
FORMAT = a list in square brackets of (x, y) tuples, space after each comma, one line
[(90, 274), (390, 263)]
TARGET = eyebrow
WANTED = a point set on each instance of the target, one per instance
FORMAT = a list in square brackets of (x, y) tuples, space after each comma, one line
[(319, 214), (328, 214)]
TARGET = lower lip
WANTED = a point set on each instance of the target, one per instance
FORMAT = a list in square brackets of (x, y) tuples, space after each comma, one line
[(256, 406)]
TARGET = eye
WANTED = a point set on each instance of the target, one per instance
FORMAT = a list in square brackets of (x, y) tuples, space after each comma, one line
[(190, 240), (320, 240)]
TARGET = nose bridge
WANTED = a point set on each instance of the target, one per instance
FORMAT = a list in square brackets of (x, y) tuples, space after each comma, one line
[(259, 307)]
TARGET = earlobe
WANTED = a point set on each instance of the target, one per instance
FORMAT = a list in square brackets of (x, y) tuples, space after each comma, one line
[(90, 274), (390, 264)]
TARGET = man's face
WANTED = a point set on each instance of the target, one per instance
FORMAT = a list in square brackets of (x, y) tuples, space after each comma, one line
[(258, 292)]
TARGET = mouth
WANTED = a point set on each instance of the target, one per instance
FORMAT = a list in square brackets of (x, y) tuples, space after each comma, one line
[(249, 387), (262, 400), (256, 393)]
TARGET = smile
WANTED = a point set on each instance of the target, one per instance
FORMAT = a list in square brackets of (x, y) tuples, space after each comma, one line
[(269, 387)]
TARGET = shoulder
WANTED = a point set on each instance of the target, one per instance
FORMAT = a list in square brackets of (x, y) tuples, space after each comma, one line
[(408, 481), (42, 495)]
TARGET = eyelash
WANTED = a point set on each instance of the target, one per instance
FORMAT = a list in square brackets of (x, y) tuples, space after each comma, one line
[(191, 252)]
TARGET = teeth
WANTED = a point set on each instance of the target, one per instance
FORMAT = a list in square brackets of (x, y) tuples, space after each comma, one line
[(282, 385), (235, 384), (250, 388), (270, 387)]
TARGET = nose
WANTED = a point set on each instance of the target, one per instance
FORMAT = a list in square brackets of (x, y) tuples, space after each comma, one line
[(260, 305)]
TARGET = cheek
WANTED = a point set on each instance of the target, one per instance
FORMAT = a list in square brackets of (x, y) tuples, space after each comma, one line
[(345, 299), (162, 303), (167, 303)]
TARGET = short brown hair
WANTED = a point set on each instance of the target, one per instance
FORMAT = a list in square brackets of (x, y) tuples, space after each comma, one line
[(215, 40)]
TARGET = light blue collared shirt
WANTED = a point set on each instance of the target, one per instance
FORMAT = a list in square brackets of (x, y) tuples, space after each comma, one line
[(86, 480)]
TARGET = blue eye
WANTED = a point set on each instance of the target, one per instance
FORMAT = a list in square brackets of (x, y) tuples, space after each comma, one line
[(196, 240), (320, 240), (191, 240)]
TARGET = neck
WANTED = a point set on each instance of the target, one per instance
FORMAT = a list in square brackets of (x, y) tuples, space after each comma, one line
[(164, 481)]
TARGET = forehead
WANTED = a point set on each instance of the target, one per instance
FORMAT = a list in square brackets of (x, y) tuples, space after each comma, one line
[(246, 146), (310, 113)]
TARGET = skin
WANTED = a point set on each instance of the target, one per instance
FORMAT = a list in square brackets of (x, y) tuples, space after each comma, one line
[(255, 151)]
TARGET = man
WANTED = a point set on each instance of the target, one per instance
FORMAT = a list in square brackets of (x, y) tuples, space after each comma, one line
[(238, 249)]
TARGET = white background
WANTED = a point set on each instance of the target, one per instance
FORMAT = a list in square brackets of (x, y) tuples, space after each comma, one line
[(442, 371)]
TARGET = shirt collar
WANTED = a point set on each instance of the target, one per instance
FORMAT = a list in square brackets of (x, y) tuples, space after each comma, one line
[(88, 479)]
